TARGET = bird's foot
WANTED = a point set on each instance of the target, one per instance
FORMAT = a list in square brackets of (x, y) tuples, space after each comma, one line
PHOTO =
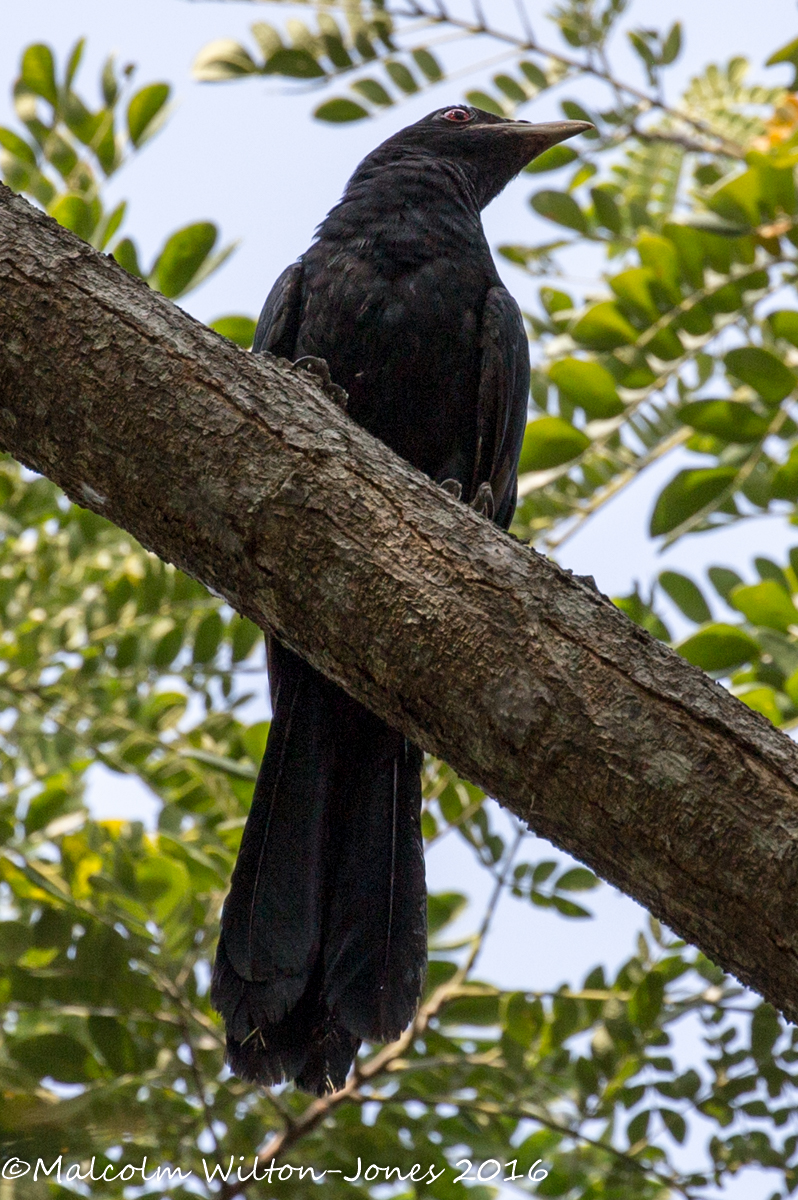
[(320, 368), (453, 486), (483, 501)]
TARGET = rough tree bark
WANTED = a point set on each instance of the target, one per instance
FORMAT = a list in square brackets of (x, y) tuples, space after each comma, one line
[(531, 684)]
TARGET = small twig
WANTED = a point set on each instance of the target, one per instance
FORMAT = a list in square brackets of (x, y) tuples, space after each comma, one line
[(523, 17)]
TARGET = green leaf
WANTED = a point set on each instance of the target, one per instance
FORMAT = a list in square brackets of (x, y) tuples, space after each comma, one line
[(38, 72), (785, 480), (723, 581), (788, 54), (534, 74), (254, 739), (686, 596), (245, 635), (443, 908), (588, 385), (575, 112), (549, 442), (551, 159), (163, 883), (115, 1044), (604, 327), (769, 570), (642, 49), (762, 371), (762, 700), (109, 225), (126, 255), (660, 256), (555, 302), (402, 77), (267, 37), (642, 614), (686, 494), (561, 208), (55, 1054), (295, 63), (77, 214), (577, 879), (608, 213), (340, 110), (73, 62), (208, 637), (511, 88), (485, 102), (567, 908), (428, 64), (671, 47), (638, 1127), (373, 91), (523, 1019), (238, 329), (765, 1031), (675, 1124), (647, 999), (109, 82), (731, 420), (719, 648), (221, 60), (17, 146), (634, 287), (784, 324), (182, 257), (471, 1010), (144, 111), (765, 603), (168, 647)]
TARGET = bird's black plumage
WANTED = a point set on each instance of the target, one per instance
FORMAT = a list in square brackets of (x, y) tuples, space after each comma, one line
[(323, 938)]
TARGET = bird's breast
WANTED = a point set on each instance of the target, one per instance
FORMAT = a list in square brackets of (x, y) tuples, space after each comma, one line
[(401, 335)]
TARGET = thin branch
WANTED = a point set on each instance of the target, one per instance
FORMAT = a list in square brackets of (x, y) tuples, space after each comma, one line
[(526, 25)]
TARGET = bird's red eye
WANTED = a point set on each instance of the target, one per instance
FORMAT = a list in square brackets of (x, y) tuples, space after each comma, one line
[(460, 115)]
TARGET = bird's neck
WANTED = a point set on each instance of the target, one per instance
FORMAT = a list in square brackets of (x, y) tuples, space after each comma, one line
[(386, 201)]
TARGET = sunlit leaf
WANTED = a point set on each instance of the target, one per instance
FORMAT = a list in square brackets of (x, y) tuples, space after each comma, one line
[(685, 595), (765, 603), (145, 112), (688, 493), (719, 648), (764, 372), (589, 385), (560, 207), (548, 442), (339, 110)]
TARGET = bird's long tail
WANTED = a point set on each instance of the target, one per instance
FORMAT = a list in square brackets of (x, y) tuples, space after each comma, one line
[(323, 938)]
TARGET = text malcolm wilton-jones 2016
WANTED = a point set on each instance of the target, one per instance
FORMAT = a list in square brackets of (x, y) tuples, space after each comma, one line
[(256, 1170)]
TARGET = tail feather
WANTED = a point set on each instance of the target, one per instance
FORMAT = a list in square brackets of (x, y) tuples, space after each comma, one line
[(323, 938), (271, 926), (375, 943)]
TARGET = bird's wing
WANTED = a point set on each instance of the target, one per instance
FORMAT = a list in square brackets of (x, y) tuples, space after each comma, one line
[(503, 399), (278, 324)]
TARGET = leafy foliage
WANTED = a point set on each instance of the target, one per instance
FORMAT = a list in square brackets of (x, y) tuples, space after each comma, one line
[(67, 151), (112, 661)]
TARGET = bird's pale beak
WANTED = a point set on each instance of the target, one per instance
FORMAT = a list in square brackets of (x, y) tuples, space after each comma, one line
[(542, 137)]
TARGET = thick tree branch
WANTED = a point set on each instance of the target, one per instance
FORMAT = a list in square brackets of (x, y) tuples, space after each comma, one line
[(241, 472)]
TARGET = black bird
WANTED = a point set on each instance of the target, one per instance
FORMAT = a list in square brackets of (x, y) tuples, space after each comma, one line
[(323, 939)]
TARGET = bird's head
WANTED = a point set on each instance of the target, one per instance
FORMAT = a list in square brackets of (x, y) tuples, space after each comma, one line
[(491, 149)]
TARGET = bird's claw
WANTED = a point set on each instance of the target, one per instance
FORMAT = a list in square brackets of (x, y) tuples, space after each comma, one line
[(320, 368), (483, 501), (453, 486)]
